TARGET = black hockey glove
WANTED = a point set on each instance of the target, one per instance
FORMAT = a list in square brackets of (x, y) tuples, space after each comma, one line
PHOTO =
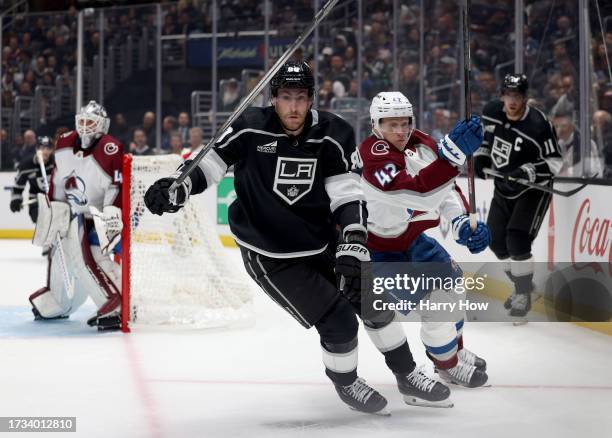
[(159, 200), (526, 171), (16, 204), (480, 163), (349, 256)]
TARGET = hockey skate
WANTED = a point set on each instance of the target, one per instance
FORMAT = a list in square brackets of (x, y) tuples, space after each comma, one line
[(520, 304), (108, 317), (464, 374), (361, 397), (419, 389), (470, 358)]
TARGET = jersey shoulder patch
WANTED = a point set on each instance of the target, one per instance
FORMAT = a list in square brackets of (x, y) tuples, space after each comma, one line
[(67, 140), (108, 153)]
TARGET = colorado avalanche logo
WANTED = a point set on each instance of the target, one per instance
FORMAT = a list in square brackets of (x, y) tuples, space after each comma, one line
[(380, 148), (75, 189), (111, 148)]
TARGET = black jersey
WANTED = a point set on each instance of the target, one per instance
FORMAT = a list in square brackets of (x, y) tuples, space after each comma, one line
[(28, 171), (511, 144), (291, 191)]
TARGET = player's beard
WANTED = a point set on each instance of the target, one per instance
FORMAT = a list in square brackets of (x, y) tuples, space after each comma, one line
[(297, 130)]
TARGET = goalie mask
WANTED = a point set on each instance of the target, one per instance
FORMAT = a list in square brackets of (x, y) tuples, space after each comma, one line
[(92, 122), (390, 104)]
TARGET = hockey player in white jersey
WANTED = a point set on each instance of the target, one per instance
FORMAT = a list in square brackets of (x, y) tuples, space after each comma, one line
[(80, 219), (409, 180)]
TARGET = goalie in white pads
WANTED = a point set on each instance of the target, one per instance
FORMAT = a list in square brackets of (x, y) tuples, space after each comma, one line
[(81, 220)]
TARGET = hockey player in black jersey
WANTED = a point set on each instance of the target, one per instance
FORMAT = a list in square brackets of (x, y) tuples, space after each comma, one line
[(28, 172), (519, 142), (294, 187)]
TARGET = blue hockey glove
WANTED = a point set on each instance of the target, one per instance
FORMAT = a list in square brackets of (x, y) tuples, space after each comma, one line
[(476, 241), (463, 140)]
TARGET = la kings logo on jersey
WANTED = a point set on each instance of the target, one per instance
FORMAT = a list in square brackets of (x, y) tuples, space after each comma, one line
[(500, 152), (294, 178)]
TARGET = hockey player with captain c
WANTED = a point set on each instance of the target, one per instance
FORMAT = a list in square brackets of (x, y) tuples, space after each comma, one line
[(519, 142), (408, 181), (80, 219)]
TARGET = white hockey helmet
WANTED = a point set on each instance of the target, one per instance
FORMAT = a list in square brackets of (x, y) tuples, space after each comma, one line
[(92, 122), (389, 104)]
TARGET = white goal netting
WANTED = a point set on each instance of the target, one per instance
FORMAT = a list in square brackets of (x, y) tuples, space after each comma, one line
[(179, 272)]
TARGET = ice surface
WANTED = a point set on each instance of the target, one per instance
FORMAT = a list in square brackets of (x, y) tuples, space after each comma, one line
[(548, 380)]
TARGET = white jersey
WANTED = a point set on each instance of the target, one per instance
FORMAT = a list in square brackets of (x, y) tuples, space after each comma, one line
[(87, 177)]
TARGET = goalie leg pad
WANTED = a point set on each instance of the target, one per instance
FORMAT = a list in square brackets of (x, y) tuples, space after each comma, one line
[(53, 217), (86, 275), (46, 306)]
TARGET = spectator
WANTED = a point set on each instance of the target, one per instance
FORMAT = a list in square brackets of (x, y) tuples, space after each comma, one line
[(409, 81), (339, 75), (487, 86), (196, 138), (176, 144), (441, 124), (183, 127), (24, 146), (230, 95), (119, 129), (602, 133), (168, 128), (16, 149), (568, 139), (148, 126), (326, 94), (139, 145)]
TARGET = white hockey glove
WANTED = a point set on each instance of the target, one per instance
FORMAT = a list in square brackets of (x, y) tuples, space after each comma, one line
[(53, 218), (108, 226)]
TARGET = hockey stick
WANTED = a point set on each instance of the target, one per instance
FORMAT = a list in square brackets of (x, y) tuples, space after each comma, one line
[(566, 194), (467, 69), (253, 94), (68, 282)]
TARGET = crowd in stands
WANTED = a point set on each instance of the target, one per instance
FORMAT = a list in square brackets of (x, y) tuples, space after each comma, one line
[(37, 49)]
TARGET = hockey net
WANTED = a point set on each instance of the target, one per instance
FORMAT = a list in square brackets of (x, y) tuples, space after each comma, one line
[(175, 270)]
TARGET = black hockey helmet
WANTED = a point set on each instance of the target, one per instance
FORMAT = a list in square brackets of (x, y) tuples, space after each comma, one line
[(44, 142), (293, 74), (515, 82)]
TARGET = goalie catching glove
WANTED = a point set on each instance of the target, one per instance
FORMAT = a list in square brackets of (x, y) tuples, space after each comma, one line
[(108, 226), (349, 258)]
